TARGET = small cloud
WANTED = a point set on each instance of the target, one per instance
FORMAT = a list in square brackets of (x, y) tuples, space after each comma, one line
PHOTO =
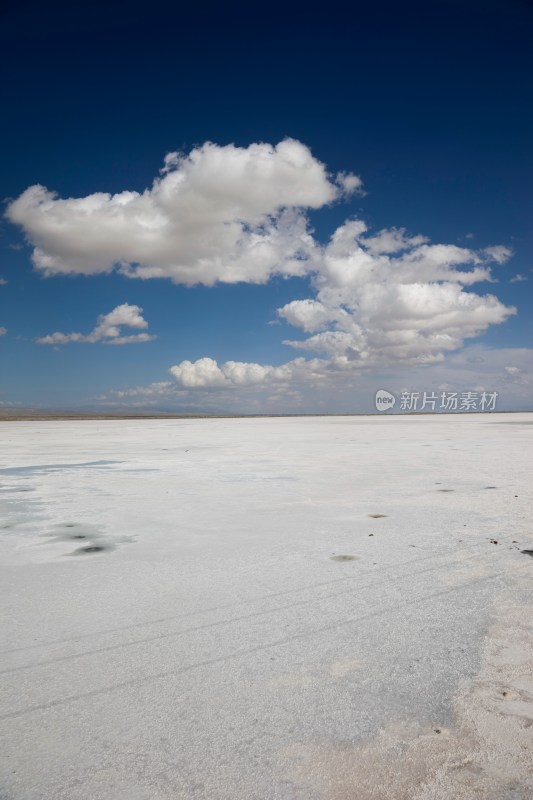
[(3, 331), (3, 281), (349, 184), (518, 278), (159, 389), (133, 339), (512, 370), (498, 253), (107, 329)]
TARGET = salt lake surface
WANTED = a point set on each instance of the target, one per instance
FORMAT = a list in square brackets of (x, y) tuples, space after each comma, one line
[(247, 609)]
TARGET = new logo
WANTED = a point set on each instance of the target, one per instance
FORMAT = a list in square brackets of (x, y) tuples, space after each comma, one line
[(384, 400)]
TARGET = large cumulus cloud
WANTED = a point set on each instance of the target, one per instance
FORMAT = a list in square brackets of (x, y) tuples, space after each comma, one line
[(378, 301), (218, 214), (389, 297)]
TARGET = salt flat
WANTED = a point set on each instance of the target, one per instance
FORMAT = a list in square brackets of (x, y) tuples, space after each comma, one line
[(247, 609)]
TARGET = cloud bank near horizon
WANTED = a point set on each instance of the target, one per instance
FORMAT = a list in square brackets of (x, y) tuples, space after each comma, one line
[(478, 368)]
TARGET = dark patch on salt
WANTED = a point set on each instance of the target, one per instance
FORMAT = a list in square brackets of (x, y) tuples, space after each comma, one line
[(92, 548), (344, 558)]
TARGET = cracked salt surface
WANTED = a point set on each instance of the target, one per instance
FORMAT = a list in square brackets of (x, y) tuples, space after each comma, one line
[(205, 642)]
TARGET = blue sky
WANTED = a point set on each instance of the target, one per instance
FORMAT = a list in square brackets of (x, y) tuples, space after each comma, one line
[(230, 252)]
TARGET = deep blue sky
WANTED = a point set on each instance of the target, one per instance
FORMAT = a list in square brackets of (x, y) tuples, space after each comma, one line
[(429, 102)]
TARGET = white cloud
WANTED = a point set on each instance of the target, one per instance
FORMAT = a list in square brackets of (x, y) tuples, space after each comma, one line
[(153, 390), (3, 281), (207, 373), (219, 214), (204, 372), (108, 329), (349, 184), (498, 253), (392, 241), (518, 278), (308, 314), (393, 299), (3, 331), (380, 301), (229, 214)]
